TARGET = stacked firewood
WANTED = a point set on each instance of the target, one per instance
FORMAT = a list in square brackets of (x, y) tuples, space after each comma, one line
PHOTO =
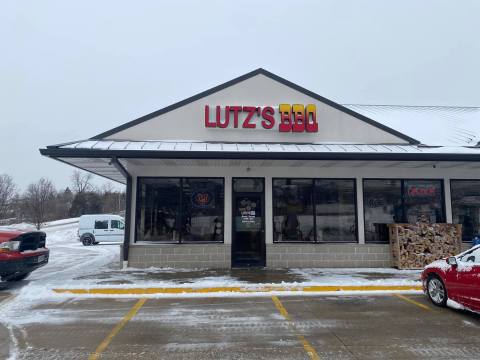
[(415, 245)]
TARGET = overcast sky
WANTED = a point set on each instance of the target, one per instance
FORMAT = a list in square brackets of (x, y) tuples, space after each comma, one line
[(70, 70)]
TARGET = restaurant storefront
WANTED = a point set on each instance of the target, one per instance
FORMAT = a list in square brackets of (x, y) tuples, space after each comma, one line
[(261, 172)]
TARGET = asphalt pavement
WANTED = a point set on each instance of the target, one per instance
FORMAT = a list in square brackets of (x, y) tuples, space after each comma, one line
[(298, 327)]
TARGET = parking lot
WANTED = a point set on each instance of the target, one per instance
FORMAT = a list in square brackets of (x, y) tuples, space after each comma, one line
[(38, 323), (315, 327)]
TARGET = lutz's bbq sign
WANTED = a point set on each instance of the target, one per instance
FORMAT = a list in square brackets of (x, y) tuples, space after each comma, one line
[(285, 117)]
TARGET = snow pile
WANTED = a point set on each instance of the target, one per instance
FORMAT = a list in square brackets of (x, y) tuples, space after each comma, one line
[(439, 264), (24, 226), (455, 305)]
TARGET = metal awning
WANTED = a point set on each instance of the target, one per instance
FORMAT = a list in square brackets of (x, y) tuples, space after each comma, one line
[(163, 149), (97, 156)]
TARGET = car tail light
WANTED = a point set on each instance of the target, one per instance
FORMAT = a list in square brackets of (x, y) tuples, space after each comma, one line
[(9, 246)]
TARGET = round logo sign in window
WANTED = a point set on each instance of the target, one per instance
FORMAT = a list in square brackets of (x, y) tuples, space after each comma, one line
[(202, 199)]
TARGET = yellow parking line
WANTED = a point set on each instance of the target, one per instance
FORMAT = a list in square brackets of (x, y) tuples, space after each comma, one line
[(104, 344), (411, 301), (190, 290), (306, 345), (281, 308)]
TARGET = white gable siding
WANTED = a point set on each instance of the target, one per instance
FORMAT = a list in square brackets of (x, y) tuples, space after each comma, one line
[(187, 122)]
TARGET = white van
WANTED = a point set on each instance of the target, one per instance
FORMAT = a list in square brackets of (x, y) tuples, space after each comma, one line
[(93, 229)]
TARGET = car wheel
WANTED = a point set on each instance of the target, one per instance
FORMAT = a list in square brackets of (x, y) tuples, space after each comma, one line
[(87, 241), (18, 277), (436, 291)]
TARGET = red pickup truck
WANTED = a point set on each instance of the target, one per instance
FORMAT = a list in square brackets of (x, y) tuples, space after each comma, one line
[(21, 252)]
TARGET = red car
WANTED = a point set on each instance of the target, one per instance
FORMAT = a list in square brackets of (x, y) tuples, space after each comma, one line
[(455, 278), (20, 253)]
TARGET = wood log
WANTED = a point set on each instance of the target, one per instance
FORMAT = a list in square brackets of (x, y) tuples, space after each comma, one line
[(415, 245)]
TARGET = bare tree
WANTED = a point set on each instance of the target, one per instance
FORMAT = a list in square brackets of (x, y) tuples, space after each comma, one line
[(37, 199), (8, 191), (106, 188), (81, 182)]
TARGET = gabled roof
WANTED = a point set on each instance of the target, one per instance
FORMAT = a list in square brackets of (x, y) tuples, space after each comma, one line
[(249, 75)]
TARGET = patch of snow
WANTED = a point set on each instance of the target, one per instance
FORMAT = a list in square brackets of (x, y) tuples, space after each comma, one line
[(20, 226), (24, 226), (469, 323), (455, 305), (439, 264), (61, 222)]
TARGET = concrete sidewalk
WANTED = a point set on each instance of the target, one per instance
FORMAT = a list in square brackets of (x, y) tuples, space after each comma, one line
[(157, 281), (325, 276)]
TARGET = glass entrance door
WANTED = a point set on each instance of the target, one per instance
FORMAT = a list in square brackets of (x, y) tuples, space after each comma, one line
[(248, 237)]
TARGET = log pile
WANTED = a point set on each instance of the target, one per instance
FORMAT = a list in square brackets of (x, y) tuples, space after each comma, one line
[(415, 245)]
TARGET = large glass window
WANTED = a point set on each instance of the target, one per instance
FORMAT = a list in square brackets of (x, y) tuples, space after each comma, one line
[(382, 202), (202, 218), (466, 206), (423, 201), (335, 210), (293, 210), (314, 210), (180, 209), (388, 201)]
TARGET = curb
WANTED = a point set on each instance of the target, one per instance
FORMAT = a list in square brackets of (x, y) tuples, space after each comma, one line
[(245, 290)]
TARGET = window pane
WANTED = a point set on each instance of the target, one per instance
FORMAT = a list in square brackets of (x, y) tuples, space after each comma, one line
[(335, 206), (382, 202), (466, 206), (293, 210), (158, 209), (115, 224), (423, 200), (101, 224), (203, 202)]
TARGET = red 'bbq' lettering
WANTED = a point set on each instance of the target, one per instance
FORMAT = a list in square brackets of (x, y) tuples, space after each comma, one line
[(298, 118), (285, 118), (311, 124)]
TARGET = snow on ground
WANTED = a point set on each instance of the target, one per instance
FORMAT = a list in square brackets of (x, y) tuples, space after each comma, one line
[(68, 259), (72, 265)]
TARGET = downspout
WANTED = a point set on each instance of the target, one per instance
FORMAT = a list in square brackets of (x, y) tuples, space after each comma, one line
[(128, 209)]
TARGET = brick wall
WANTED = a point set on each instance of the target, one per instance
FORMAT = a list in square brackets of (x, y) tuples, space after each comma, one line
[(191, 256), (217, 256), (328, 255)]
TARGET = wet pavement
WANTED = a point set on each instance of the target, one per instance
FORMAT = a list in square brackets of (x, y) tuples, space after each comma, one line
[(336, 327), (254, 275), (247, 276)]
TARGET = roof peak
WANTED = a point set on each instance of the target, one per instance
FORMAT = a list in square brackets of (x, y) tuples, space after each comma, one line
[(251, 74)]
